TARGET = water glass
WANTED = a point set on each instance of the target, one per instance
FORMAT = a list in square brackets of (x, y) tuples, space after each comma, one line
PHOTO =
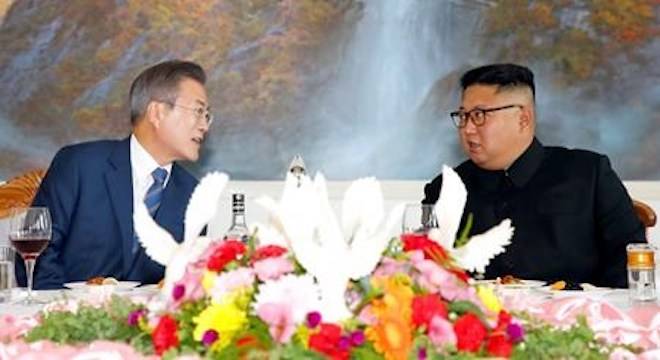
[(641, 272), (7, 278), (418, 219)]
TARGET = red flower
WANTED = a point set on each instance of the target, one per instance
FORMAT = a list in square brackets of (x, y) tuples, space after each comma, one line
[(470, 332), (164, 335), (432, 250), (425, 307), (326, 341), (227, 252), (267, 251), (499, 345), (503, 320)]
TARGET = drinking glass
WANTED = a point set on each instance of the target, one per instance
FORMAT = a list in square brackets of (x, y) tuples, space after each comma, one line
[(30, 230), (418, 219)]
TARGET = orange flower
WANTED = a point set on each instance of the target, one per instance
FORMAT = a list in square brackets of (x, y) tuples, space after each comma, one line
[(392, 332)]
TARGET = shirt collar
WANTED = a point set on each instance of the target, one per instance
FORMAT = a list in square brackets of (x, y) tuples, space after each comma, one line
[(143, 164), (525, 166)]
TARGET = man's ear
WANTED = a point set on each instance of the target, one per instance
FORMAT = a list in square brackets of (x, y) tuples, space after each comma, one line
[(155, 113), (526, 119)]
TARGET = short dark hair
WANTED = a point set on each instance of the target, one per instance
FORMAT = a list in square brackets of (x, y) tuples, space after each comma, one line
[(503, 75), (160, 82)]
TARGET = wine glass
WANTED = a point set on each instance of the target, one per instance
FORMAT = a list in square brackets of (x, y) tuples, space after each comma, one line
[(30, 230), (418, 219)]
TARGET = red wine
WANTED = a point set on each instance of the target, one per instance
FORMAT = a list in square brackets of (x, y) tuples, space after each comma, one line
[(30, 248)]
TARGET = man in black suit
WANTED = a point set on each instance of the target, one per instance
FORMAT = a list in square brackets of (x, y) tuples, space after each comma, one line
[(92, 188), (572, 215)]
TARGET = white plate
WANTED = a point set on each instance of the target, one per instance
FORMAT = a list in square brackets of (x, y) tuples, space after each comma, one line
[(588, 290), (121, 285), (524, 284)]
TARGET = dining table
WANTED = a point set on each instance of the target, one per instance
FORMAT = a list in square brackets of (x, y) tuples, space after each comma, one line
[(609, 312)]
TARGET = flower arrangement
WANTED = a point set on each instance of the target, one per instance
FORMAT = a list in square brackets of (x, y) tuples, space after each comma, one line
[(316, 295)]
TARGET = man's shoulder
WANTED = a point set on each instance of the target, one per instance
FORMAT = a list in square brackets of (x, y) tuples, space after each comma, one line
[(573, 156), (89, 150)]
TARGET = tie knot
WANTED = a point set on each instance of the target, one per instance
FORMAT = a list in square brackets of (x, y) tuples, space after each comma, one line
[(159, 175)]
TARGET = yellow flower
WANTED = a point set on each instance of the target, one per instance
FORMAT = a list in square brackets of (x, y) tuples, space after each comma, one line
[(489, 299), (225, 318), (392, 332), (208, 280)]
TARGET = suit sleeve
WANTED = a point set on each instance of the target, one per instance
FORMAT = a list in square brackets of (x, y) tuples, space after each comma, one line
[(432, 191), (617, 225), (58, 192)]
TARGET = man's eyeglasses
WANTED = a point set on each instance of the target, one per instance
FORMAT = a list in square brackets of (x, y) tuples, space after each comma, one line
[(201, 114), (478, 116)]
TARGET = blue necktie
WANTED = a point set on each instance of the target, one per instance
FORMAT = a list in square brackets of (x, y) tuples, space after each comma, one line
[(153, 196)]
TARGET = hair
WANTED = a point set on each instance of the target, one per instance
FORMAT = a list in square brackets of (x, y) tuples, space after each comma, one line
[(505, 76), (160, 82)]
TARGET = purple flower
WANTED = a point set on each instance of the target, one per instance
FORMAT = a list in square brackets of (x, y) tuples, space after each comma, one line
[(209, 337), (421, 354), (357, 338), (313, 319), (134, 317), (516, 332), (344, 343), (178, 292)]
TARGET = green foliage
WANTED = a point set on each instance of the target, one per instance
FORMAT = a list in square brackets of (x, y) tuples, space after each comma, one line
[(461, 307), (542, 341), (465, 233), (184, 318), (88, 324)]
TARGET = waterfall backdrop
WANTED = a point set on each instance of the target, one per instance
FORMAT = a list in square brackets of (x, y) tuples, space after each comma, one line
[(356, 87)]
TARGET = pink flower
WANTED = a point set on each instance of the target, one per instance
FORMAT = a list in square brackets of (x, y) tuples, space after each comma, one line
[(441, 332), (230, 281), (432, 277), (389, 267), (272, 268), (279, 318)]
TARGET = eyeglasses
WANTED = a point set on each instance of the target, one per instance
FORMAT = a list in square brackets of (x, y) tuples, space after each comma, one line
[(478, 116), (201, 114)]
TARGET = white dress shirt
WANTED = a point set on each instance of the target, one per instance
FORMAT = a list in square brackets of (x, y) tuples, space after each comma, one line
[(142, 165)]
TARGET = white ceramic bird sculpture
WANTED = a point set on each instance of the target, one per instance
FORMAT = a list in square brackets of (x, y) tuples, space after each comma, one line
[(160, 246), (333, 254), (480, 249)]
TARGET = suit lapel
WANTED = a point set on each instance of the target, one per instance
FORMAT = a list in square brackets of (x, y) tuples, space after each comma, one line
[(119, 183), (173, 204)]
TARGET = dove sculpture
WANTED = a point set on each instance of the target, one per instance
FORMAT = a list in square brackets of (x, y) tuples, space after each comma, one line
[(332, 252), (480, 249), (160, 246)]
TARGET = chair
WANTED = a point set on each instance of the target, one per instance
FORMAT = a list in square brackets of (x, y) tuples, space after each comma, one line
[(19, 191), (645, 213)]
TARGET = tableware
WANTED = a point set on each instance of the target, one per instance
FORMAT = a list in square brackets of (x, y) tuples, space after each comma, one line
[(120, 285), (641, 272), (418, 219), (30, 230), (588, 290), (523, 284), (7, 279)]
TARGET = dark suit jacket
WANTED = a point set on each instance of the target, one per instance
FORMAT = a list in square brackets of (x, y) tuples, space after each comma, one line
[(571, 213), (89, 192)]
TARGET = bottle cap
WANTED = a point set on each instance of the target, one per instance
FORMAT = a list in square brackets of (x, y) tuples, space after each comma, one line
[(640, 256)]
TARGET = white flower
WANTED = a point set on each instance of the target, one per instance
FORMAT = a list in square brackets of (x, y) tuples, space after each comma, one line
[(300, 292)]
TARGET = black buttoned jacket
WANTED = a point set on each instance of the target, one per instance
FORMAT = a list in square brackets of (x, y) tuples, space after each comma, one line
[(572, 215)]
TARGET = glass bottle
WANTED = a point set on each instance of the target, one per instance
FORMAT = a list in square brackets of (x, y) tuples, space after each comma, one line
[(238, 229)]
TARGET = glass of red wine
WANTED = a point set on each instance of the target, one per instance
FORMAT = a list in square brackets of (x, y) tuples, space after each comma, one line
[(29, 232)]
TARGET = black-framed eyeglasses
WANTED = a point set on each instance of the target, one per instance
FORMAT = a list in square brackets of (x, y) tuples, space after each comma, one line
[(478, 116), (201, 113)]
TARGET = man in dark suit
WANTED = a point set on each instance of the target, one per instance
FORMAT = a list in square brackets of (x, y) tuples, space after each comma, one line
[(91, 188), (572, 215)]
